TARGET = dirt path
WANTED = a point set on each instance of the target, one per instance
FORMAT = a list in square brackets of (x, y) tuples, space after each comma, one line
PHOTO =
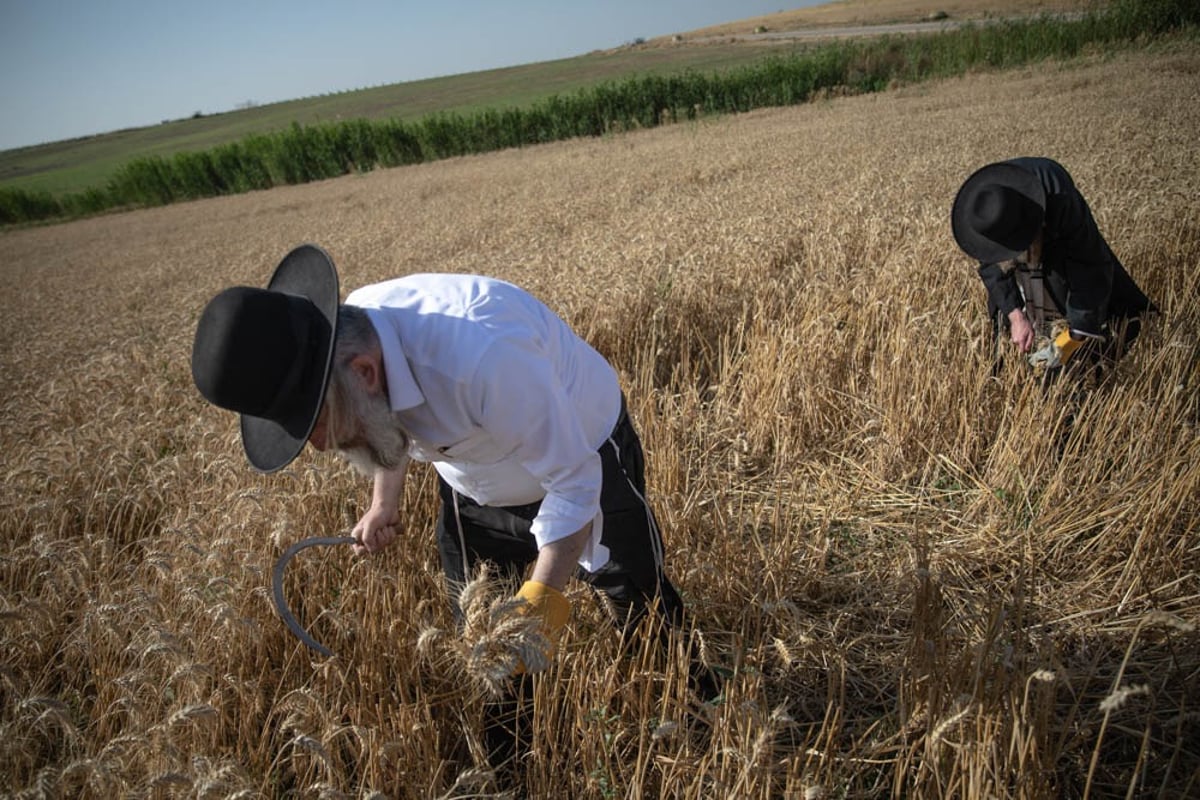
[(851, 31)]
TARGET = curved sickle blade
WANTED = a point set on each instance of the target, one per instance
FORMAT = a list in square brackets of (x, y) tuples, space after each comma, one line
[(277, 587)]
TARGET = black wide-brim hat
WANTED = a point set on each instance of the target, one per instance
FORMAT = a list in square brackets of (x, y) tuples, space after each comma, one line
[(998, 212), (267, 354)]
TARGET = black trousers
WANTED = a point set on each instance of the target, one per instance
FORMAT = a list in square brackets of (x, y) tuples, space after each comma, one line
[(632, 580)]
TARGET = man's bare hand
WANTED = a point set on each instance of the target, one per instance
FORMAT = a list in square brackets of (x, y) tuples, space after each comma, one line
[(380, 525), (1022, 331), (376, 530)]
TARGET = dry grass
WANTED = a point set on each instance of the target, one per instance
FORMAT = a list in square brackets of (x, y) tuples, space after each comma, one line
[(841, 13), (916, 592)]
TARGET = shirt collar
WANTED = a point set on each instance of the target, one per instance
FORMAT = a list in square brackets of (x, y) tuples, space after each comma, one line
[(403, 392)]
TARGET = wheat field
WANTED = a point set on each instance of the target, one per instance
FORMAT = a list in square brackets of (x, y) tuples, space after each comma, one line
[(922, 579)]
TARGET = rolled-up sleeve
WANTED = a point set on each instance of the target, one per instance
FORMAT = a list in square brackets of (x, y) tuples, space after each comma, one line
[(524, 407)]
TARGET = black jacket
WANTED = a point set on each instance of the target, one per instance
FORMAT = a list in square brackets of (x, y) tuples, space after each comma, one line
[(1082, 274)]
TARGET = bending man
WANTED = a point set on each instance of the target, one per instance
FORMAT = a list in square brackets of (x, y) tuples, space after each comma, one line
[(1052, 280), (538, 462)]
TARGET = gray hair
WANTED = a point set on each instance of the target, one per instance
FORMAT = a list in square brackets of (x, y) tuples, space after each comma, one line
[(355, 336), (354, 413)]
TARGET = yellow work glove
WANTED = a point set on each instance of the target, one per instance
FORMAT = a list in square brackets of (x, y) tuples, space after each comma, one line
[(1066, 346), (1056, 353), (552, 609)]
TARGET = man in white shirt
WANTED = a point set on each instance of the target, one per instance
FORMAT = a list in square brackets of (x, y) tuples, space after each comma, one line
[(524, 422)]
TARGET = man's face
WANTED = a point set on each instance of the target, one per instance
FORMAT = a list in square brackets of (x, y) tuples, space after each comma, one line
[(319, 438), (366, 432), (1031, 257), (350, 432)]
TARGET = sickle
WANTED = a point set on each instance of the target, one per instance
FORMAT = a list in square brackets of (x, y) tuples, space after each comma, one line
[(277, 587)]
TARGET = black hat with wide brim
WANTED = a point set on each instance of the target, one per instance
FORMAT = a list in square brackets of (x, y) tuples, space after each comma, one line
[(998, 212), (267, 354)]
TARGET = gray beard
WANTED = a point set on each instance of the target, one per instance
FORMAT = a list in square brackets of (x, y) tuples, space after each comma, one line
[(381, 444), (365, 460)]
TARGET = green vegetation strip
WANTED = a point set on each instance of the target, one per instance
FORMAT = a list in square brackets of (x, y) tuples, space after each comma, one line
[(305, 153)]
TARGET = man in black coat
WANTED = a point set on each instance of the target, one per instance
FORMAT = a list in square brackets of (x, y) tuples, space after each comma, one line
[(1052, 280)]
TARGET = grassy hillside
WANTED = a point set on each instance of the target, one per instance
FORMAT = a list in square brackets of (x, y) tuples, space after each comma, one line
[(77, 164), (841, 13)]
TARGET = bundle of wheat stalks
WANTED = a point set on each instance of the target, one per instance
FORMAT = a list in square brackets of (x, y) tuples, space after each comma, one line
[(920, 578)]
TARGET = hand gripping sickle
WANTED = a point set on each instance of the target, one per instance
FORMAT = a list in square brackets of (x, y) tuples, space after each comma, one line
[(277, 587)]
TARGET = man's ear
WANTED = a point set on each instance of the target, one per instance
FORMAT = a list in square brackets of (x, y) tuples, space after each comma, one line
[(369, 368)]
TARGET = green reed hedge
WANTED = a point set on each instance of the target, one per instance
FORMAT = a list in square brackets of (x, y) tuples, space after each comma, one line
[(306, 153)]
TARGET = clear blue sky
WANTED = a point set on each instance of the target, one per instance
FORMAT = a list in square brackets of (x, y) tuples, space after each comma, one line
[(77, 67)]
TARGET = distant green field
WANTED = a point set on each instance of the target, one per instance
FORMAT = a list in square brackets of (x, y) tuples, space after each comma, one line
[(77, 164)]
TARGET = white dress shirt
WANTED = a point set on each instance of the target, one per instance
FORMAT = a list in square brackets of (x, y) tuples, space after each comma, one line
[(494, 389)]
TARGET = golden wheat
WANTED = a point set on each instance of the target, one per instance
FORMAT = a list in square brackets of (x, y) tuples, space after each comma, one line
[(922, 579)]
